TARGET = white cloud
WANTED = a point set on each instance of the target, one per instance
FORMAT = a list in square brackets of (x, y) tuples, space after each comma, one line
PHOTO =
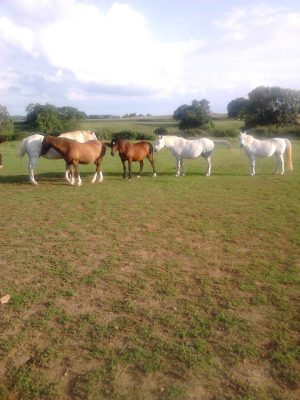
[(107, 53), (15, 35)]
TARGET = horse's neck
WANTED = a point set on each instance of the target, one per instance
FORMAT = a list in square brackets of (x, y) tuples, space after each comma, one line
[(251, 142), (57, 144), (170, 142)]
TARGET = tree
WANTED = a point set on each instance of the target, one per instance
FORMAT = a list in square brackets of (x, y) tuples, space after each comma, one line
[(51, 120), (197, 115), (236, 108), (6, 123), (161, 130), (272, 106)]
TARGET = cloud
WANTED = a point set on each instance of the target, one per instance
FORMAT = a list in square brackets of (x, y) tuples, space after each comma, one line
[(72, 50)]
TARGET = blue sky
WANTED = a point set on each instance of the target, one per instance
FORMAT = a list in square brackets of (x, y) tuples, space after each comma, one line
[(138, 56)]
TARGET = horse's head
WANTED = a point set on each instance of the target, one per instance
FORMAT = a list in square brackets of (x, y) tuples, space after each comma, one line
[(114, 145), (242, 138), (159, 144)]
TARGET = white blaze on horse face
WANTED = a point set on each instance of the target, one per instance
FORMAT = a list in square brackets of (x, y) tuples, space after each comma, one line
[(242, 138), (159, 144)]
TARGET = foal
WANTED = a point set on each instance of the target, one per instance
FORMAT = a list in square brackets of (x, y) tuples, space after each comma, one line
[(75, 153), (133, 152)]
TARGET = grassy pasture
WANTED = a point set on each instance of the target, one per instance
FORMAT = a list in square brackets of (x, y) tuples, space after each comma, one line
[(159, 288), (149, 124)]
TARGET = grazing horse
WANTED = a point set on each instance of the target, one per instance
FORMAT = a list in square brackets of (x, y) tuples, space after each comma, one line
[(75, 153), (32, 146), (267, 148), (186, 149), (1, 141), (133, 152)]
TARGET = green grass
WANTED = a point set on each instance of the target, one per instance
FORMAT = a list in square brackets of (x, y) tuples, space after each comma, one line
[(158, 288)]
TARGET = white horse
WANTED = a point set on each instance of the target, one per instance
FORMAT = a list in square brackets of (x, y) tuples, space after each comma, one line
[(266, 148), (32, 145), (186, 149)]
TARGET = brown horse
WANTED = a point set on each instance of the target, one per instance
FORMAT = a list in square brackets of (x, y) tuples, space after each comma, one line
[(75, 153), (133, 152)]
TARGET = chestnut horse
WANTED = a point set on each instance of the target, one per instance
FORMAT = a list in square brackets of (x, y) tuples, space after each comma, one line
[(133, 152), (75, 153)]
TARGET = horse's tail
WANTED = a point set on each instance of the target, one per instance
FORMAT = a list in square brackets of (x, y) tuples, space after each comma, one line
[(22, 149), (289, 154)]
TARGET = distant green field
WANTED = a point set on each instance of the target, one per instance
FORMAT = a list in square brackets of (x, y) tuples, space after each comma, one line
[(145, 125), (159, 289), (148, 125)]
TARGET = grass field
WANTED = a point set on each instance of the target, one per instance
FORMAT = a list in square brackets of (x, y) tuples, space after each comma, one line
[(145, 125), (159, 288)]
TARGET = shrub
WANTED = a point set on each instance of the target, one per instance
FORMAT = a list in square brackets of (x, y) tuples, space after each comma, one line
[(144, 136), (126, 134), (226, 132)]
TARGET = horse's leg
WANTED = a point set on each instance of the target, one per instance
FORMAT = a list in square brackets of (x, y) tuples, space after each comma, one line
[(1, 165), (208, 170), (252, 165), (98, 172), (177, 166), (79, 181), (183, 172), (280, 163), (68, 174), (31, 164), (124, 169), (129, 169), (71, 173), (151, 159), (141, 168)]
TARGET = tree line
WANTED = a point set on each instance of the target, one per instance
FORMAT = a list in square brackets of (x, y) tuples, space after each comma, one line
[(264, 106)]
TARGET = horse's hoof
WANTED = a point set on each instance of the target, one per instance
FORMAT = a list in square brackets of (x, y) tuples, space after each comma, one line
[(138, 176), (154, 175)]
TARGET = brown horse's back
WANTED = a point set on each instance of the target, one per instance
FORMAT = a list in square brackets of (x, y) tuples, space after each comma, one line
[(71, 150), (85, 153), (138, 151)]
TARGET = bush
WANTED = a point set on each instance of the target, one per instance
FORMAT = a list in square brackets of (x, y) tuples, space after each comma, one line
[(226, 132), (272, 130), (126, 134), (195, 132), (144, 136)]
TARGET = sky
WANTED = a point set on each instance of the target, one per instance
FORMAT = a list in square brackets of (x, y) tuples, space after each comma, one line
[(142, 56)]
